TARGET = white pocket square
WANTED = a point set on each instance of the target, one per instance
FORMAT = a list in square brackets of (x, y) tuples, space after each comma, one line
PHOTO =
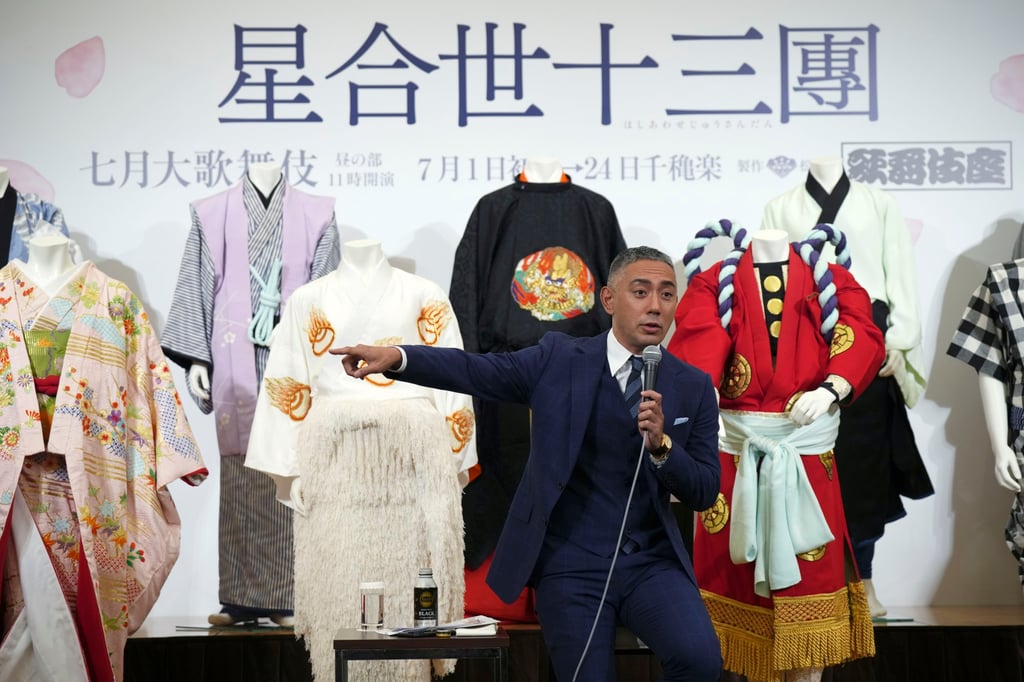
[(680, 420)]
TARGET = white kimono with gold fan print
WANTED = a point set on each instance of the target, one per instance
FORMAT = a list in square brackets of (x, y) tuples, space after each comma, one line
[(373, 458)]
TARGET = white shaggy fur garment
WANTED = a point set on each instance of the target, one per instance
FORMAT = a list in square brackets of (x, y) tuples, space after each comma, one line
[(380, 486)]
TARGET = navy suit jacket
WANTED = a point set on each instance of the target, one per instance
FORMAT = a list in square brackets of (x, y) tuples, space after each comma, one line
[(559, 379)]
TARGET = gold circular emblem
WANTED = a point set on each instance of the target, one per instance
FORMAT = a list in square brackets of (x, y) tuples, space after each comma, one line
[(774, 305), (772, 283), (774, 328), (814, 555), (737, 377), (715, 518), (842, 340)]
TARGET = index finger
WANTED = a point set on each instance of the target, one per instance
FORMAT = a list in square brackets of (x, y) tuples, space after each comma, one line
[(343, 350)]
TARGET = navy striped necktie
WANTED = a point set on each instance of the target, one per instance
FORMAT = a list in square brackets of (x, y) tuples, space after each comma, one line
[(634, 385)]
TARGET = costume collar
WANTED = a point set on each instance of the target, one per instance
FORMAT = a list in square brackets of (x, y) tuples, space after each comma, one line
[(829, 203)]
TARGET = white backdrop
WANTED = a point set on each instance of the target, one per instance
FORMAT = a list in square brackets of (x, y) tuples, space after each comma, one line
[(111, 110)]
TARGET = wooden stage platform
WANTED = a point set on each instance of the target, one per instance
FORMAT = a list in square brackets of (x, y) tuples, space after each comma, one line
[(930, 644)]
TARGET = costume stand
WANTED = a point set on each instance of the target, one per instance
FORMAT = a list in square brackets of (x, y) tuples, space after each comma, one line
[(772, 555), (92, 431), (875, 450), (531, 260), (373, 467), (989, 339), (21, 214), (236, 272)]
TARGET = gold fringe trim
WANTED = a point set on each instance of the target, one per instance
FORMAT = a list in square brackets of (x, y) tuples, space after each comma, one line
[(745, 634), (863, 630), (812, 631)]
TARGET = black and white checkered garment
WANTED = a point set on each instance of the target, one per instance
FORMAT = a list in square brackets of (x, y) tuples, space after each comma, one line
[(989, 338)]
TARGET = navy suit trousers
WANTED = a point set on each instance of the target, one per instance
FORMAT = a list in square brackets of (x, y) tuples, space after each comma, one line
[(649, 593)]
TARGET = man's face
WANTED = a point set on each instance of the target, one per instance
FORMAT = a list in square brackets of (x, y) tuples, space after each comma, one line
[(641, 299)]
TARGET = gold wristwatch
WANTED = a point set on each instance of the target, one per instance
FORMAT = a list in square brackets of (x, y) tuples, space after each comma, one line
[(662, 450)]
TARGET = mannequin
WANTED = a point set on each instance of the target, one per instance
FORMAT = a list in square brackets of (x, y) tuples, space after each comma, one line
[(249, 247), (49, 264), (772, 246), (21, 214), (827, 170), (754, 323), (49, 258), (363, 255), (64, 320), (543, 169), (876, 447), (265, 177), (993, 404), (769, 246), (517, 235), (988, 338), (375, 460)]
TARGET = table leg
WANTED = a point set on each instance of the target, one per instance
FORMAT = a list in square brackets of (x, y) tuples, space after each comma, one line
[(502, 663), (340, 667)]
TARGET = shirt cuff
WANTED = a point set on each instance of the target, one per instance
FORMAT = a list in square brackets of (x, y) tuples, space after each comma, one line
[(405, 361), (658, 461)]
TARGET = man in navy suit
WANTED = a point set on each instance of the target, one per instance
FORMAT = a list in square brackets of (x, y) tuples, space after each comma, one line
[(573, 531)]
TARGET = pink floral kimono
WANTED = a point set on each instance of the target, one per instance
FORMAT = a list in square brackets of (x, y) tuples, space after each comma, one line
[(91, 432)]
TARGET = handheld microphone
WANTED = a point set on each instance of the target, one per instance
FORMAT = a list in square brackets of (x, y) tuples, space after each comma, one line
[(651, 356)]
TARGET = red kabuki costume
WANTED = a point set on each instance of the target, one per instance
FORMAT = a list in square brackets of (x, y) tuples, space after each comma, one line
[(823, 618)]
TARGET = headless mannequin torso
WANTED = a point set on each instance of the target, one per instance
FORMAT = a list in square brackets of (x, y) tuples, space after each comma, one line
[(49, 259), (769, 246), (265, 177), (49, 262), (826, 170), (362, 255), (543, 169)]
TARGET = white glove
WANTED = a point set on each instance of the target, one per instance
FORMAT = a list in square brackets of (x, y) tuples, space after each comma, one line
[(811, 405), (199, 380)]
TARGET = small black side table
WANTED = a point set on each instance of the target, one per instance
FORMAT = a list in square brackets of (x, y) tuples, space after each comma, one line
[(356, 645)]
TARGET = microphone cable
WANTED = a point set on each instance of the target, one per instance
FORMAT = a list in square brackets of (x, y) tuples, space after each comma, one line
[(615, 556), (652, 359)]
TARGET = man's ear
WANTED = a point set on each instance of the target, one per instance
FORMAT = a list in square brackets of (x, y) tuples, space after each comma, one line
[(606, 300)]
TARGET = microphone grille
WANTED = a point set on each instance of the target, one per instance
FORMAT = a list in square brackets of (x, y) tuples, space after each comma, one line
[(652, 354)]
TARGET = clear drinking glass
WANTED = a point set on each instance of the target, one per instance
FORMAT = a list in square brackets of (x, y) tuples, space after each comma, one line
[(371, 605)]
